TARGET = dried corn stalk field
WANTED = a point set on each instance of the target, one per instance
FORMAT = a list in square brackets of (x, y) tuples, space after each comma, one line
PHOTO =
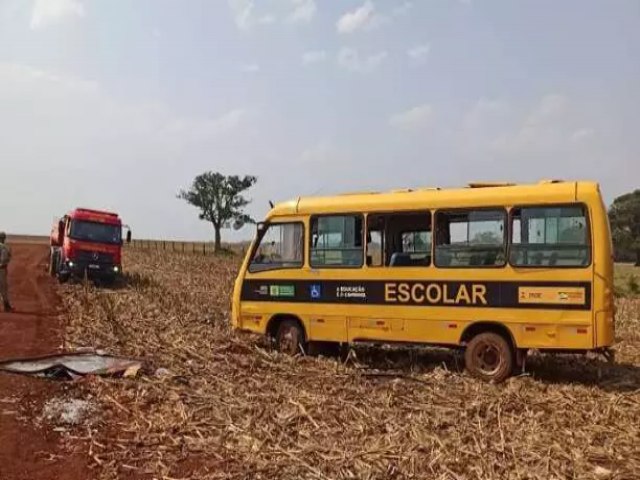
[(227, 407)]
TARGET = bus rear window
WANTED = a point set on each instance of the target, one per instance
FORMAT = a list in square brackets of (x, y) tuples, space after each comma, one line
[(550, 236)]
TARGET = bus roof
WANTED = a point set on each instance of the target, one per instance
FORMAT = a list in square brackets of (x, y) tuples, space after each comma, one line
[(480, 194)]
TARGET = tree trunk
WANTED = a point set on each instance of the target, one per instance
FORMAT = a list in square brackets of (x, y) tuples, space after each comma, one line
[(218, 243), (638, 258)]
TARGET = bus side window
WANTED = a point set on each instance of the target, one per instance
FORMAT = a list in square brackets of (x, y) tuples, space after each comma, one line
[(471, 238), (549, 236), (337, 241), (375, 241), (403, 239)]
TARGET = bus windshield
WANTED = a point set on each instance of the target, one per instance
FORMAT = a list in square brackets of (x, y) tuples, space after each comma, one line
[(95, 232)]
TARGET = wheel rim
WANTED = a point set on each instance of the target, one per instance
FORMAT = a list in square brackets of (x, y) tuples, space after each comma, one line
[(488, 358), (288, 339)]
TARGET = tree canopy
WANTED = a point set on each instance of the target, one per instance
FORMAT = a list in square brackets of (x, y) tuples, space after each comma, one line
[(220, 200), (624, 217)]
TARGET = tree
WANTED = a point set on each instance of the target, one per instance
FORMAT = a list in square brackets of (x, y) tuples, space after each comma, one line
[(486, 238), (624, 217), (220, 200)]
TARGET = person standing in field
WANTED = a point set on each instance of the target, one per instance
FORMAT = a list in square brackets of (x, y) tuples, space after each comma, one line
[(5, 258)]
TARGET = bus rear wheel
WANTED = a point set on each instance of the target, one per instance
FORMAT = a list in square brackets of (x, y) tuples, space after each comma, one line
[(489, 357), (290, 338)]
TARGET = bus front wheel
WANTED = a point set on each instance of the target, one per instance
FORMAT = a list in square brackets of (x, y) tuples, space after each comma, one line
[(489, 357), (290, 338)]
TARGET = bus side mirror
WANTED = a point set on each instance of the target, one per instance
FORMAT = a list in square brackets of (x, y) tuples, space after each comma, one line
[(128, 236)]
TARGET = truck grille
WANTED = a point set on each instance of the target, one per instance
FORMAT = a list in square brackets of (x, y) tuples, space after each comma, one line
[(95, 257)]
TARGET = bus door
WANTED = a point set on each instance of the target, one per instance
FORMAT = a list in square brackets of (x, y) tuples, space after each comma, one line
[(398, 253)]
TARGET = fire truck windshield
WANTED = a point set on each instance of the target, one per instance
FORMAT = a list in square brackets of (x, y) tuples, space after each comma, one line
[(95, 232)]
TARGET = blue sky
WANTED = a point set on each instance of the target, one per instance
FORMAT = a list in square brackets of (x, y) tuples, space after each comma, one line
[(120, 103)]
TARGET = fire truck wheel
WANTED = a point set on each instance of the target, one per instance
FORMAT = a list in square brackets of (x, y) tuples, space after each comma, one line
[(54, 259)]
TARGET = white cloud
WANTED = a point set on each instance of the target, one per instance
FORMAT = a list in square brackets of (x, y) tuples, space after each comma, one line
[(549, 106), (70, 114), (245, 17), (49, 12), (313, 56), (303, 11), (248, 14), (318, 154), (415, 118), (485, 113), (402, 9), (63, 130), (364, 17), (351, 60), (250, 68), (418, 54), (552, 136), (335, 167), (544, 127), (198, 129), (582, 134)]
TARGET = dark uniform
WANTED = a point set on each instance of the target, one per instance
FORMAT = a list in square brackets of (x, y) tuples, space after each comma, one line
[(5, 258)]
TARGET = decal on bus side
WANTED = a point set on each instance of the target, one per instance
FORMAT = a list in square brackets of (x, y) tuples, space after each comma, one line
[(435, 293), (486, 294)]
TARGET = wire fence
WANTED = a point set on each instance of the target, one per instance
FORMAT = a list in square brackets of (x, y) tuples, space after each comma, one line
[(201, 248)]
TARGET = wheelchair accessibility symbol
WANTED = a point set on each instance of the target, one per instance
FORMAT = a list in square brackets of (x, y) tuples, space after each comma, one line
[(316, 291)]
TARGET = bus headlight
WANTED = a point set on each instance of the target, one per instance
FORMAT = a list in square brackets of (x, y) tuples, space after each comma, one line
[(116, 269)]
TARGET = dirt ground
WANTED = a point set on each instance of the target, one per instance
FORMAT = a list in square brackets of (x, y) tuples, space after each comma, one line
[(29, 451), (215, 405)]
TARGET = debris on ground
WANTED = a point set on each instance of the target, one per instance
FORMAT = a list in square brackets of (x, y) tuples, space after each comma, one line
[(67, 412), (73, 365), (233, 409), (162, 373)]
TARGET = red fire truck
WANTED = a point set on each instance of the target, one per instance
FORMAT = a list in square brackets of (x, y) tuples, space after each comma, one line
[(87, 243)]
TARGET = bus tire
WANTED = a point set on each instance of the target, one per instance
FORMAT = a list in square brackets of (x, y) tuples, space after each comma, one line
[(489, 357), (290, 338)]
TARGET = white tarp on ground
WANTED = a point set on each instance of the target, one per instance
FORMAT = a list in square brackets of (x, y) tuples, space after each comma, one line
[(73, 364)]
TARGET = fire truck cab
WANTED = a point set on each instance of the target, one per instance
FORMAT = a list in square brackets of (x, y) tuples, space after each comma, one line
[(87, 243)]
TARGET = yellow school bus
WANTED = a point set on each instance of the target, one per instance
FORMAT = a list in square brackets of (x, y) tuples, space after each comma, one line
[(496, 269)]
